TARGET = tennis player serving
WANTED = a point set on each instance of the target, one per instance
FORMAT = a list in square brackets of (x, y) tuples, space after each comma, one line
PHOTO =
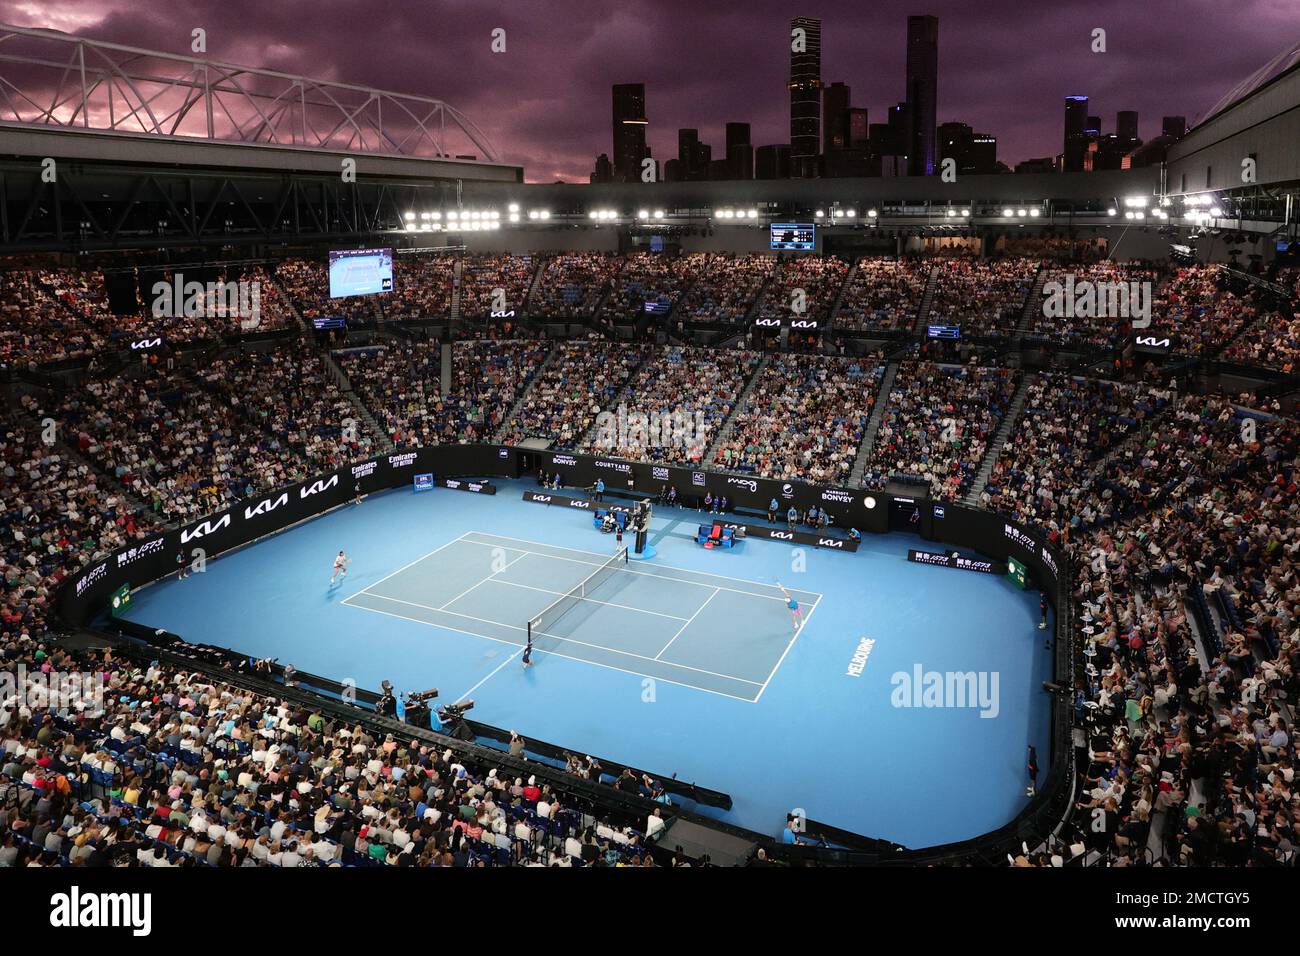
[(795, 614)]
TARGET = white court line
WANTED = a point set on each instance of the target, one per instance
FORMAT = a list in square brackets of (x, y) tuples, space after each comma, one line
[(481, 581), (687, 624), (405, 566), (557, 637), (489, 676), (802, 624), (648, 574), (626, 607), (581, 660)]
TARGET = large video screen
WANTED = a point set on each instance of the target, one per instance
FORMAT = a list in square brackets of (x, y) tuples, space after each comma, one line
[(794, 235), (360, 272)]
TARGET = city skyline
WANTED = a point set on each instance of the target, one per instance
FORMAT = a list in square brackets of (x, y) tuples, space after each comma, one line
[(1004, 67)]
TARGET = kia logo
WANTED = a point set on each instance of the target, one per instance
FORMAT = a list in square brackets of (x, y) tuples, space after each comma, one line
[(202, 530), (318, 486), (830, 542), (266, 507), (783, 535), (543, 498), (767, 322), (803, 324), (1153, 341), (146, 344)]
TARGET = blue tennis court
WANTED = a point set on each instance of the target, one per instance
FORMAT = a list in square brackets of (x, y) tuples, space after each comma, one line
[(686, 663), (717, 634)]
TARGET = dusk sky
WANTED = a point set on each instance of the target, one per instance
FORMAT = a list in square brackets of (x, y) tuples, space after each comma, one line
[(1004, 65)]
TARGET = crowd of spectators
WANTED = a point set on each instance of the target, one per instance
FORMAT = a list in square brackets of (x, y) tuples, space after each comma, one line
[(937, 425), (649, 277), (1045, 472), (56, 513), (38, 325), (401, 386), (682, 396), (482, 275), (1196, 307), (1095, 313), (307, 283), (804, 418), (421, 288), (984, 297), (805, 289), (581, 379), (884, 293), (726, 290), (168, 768), (572, 284), (1188, 601)]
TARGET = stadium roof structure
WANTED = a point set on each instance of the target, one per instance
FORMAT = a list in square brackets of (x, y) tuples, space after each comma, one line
[(53, 79), (1274, 69)]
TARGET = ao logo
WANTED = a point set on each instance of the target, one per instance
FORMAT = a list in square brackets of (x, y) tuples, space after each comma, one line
[(318, 486), (266, 507), (202, 530)]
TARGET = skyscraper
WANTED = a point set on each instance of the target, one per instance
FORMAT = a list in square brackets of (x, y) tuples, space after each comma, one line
[(740, 153), (629, 131), (1175, 126), (1076, 137), (922, 93), (835, 117), (1126, 126), (805, 94)]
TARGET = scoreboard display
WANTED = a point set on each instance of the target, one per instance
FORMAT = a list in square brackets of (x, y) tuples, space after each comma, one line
[(360, 272), (1018, 573), (794, 235), (120, 602)]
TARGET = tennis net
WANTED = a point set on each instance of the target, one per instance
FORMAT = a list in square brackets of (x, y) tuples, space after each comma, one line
[(568, 601)]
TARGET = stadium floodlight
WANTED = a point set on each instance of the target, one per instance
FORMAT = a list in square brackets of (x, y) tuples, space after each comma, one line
[(495, 214), (546, 214), (850, 213), (1215, 212), (1035, 212), (1111, 211), (410, 227), (871, 214), (819, 213), (593, 214), (643, 214), (1022, 213), (1139, 214), (1008, 213), (752, 214), (453, 214), (435, 216), (409, 215), (513, 207), (964, 212), (659, 214), (1136, 202), (532, 214), (514, 217), (949, 213), (1129, 214)]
